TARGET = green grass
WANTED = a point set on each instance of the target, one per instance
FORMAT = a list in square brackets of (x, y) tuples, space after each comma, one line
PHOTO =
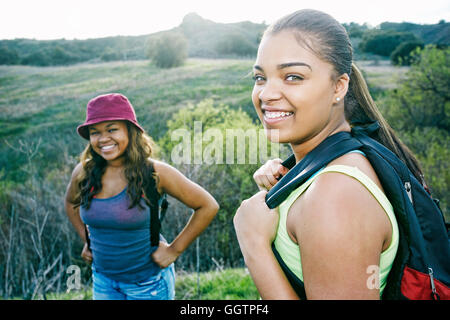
[(228, 284), (49, 102)]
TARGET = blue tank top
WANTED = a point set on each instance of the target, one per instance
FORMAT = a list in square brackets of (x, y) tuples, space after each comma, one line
[(120, 238)]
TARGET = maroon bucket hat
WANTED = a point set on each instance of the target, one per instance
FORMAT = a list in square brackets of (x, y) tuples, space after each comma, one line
[(107, 107)]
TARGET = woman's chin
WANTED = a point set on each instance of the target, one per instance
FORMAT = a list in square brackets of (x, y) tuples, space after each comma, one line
[(275, 136)]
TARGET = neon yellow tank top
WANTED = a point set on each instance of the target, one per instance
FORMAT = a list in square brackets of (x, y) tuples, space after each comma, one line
[(290, 251)]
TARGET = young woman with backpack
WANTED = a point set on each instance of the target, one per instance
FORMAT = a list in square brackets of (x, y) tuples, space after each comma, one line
[(115, 190), (337, 232)]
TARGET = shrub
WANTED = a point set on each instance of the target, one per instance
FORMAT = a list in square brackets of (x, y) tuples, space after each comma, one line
[(384, 42), (8, 56), (402, 54), (169, 50), (236, 44)]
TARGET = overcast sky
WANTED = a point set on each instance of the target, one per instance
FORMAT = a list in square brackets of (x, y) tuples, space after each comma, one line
[(82, 19)]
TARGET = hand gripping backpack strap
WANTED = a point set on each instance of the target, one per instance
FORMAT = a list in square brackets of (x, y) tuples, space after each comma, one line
[(331, 148)]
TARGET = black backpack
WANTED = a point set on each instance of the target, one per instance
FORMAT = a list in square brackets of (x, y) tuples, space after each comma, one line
[(421, 269)]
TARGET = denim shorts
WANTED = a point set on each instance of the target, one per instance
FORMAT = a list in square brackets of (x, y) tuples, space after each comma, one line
[(158, 287)]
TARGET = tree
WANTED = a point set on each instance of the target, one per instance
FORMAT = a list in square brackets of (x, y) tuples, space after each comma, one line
[(423, 97), (201, 135), (8, 56), (419, 110), (168, 50), (236, 44), (384, 42), (402, 54)]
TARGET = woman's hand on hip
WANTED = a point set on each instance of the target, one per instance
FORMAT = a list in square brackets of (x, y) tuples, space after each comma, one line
[(86, 254), (165, 255)]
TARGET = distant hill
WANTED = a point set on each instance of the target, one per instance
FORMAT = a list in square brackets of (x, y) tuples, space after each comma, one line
[(429, 33), (206, 39)]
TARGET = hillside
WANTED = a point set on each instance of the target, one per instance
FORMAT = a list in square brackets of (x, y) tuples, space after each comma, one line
[(430, 33), (205, 38)]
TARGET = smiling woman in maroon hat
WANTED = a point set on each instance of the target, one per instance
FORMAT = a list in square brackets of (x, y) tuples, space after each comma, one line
[(114, 191)]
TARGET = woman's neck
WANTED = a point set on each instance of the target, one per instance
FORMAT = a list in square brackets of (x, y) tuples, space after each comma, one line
[(300, 150)]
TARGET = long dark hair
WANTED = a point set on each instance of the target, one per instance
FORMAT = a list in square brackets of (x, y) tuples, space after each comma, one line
[(328, 39), (139, 170)]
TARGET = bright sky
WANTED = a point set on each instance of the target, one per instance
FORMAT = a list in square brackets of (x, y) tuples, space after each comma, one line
[(82, 19)]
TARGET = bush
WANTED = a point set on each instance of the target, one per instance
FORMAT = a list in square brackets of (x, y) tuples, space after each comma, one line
[(384, 42), (8, 56), (236, 44), (205, 132), (168, 50), (110, 55), (402, 54)]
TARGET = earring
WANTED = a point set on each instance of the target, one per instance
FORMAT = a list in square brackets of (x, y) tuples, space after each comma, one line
[(338, 99)]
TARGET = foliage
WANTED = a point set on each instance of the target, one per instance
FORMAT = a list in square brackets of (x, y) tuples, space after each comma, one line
[(205, 39), (438, 34), (223, 284), (419, 109), (356, 30), (237, 45), (402, 54), (220, 284), (384, 42), (215, 133), (423, 98), (168, 50), (8, 56)]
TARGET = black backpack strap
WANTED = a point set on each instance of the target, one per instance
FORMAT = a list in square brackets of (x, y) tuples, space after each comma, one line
[(155, 224), (294, 281), (163, 204), (154, 197), (331, 148)]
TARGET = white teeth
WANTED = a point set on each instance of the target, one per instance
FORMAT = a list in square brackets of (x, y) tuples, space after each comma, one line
[(276, 114), (106, 148)]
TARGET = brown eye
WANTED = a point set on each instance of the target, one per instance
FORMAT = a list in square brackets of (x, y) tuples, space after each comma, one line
[(294, 77), (258, 78)]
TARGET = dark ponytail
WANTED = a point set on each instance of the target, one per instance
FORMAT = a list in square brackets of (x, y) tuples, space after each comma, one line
[(361, 109), (329, 40)]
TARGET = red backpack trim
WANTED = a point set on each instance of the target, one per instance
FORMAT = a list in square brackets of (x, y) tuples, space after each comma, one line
[(417, 285)]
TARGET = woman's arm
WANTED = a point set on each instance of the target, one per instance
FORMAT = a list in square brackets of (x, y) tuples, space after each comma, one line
[(341, 232), (256, 227), (174, 183), (74, 213)]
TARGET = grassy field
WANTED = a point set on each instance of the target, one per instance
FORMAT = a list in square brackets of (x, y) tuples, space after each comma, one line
[(33, 97), (48, 103)]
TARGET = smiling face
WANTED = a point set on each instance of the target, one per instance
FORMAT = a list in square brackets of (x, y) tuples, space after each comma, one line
[(109, 139), (295, 91)]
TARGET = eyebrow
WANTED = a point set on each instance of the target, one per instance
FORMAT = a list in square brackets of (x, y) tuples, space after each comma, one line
[(107, 126), (286, 65), (293, 64)]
